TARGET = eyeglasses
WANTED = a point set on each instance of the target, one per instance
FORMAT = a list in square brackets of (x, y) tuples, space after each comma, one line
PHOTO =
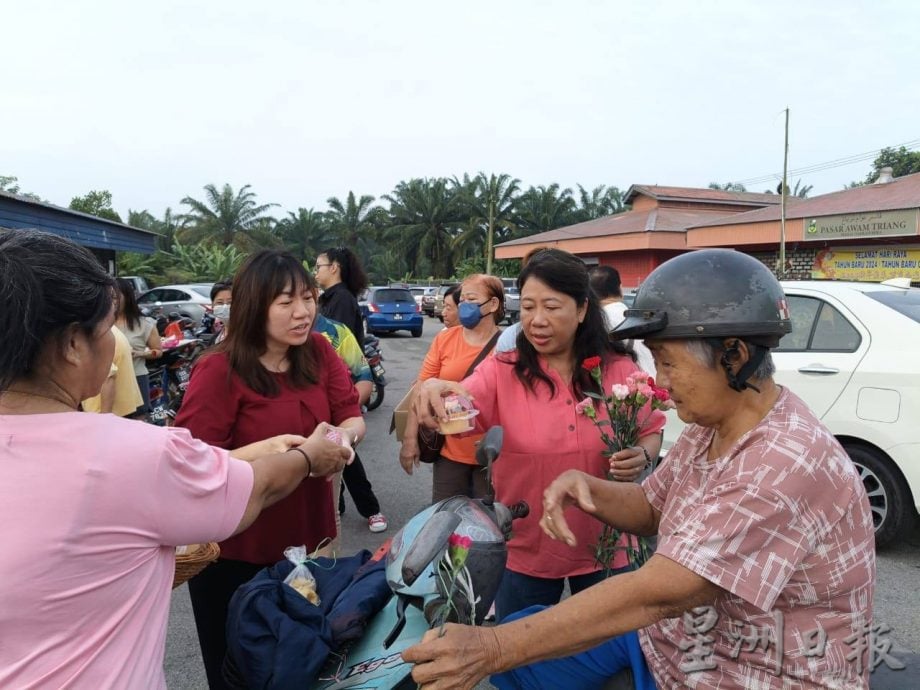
[(316, 267)]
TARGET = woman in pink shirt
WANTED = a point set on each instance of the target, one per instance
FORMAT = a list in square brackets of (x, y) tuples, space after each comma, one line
[(92, 506), (532, 392)]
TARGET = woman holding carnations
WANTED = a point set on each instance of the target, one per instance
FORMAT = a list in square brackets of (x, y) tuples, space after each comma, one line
[(534, 393)]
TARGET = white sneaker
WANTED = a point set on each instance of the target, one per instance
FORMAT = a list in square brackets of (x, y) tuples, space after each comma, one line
[(377, 523)]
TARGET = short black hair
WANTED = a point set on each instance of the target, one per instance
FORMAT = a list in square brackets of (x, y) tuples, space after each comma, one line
[(47, 284), (220, 286), (605, 281)]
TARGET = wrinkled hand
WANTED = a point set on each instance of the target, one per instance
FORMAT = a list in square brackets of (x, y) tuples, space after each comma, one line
[(458, 660), (326, 457), (429, 404), (626, 465), (409, 454), (569, 488)]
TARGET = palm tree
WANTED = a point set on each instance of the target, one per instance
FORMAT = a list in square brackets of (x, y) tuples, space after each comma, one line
[(305, 233), (224, 217), (354, 223), (600, 202), (544, 208), (491, 203), (424, 219), (728, 186)]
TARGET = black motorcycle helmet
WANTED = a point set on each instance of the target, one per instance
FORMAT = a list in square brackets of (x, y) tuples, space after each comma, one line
[(711, 294)]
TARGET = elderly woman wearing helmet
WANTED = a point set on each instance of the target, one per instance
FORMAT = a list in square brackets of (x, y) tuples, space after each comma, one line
[(764, 573)]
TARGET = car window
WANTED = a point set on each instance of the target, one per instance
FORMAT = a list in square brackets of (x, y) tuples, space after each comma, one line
[(391, 295), (818, 326), (905, 302), (150, 297), (203, 290)]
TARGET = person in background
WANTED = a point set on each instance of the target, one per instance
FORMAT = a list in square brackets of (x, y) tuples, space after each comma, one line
[(532, 392), (340, 274), (764, 574), (346, 347), (605, 281), (120, 393), (452, 352), (221, 299), (92, 506), (449, 313), (272, 375), (143, 336)]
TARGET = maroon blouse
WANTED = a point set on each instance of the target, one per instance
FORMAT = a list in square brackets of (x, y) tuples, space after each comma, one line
[(221, 410)]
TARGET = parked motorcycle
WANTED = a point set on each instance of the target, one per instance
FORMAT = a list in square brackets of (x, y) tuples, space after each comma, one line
[(169, 376), (374, 356)]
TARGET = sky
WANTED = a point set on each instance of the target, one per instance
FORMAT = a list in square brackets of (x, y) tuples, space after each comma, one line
[(305, 100)]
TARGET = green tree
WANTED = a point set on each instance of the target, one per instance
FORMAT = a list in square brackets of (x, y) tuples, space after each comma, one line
[(96, 203), (600, 202), (224, 217), (305, 233), (354, 222), (728, 186), (544, 208), (425, 217), (492, 206), (902, 162), (10, 184)]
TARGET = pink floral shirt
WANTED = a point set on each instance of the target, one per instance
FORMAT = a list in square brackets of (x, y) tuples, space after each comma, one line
[(781, 522), (544, 437)]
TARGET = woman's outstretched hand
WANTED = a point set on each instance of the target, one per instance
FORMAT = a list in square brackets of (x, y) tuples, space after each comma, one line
[(326, 457), (456, 660), (429, 405), (568, 489), (270, 446)]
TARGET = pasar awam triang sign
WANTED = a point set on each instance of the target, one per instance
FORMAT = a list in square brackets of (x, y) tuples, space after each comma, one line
[(857, 226), (867, 263)]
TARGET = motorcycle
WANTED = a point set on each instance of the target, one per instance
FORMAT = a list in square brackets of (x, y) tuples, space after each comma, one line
[(169, 376), (422, 597), (426, 588), (374, 356)]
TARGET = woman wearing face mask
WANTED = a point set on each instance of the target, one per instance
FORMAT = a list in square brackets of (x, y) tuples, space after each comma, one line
[(221, 298), (453, 350)]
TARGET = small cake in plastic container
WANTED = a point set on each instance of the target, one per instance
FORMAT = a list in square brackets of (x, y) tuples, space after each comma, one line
[(460, 414)]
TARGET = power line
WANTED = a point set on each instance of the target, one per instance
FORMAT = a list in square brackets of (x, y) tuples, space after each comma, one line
[(827, 165)]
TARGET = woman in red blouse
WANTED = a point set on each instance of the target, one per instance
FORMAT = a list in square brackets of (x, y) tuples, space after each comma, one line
[(272, 373)]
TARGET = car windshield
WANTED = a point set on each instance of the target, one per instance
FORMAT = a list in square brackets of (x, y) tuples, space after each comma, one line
[(905, 302), (390, 296), (203, 290)]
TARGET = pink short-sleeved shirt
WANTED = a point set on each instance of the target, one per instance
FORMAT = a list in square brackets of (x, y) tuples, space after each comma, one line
[(543, 437), (91, 509), (782, 523)]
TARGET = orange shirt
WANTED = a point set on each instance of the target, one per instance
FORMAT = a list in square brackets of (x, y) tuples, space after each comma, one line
[(448, 358)]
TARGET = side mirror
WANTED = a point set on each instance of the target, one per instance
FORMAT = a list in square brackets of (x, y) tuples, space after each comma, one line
[(490, 446)]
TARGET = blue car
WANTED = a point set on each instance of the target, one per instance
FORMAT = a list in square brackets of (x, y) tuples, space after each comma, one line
[(389, 309)]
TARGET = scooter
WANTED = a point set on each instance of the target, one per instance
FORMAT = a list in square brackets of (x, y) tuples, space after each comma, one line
[(422, 597), (374, 356)]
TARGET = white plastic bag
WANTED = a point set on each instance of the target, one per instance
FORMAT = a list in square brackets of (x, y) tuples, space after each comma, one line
[(300, 578)]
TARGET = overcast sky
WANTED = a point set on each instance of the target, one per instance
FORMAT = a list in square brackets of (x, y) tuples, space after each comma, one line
[(305, 100)]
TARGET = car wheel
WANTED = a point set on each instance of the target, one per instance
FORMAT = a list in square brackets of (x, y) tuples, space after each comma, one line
[(889, 497), (376, 397), (416, 333)]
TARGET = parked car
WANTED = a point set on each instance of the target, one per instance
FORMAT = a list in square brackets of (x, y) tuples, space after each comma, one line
[(191, 300), (439, 301), (389, 309), (852, 357), (512, 303), (140, 284), (428, 301), (420, 293)]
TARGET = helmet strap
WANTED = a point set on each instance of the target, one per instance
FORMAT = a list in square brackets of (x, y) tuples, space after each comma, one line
[(730, 353)]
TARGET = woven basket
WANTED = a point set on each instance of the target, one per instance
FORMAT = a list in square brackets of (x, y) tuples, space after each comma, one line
[(194, 560)]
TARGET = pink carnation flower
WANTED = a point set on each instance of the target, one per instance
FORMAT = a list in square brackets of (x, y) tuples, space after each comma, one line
[(586, 407)]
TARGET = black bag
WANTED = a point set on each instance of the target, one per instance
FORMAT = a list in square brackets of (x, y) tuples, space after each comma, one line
[(430, 441)]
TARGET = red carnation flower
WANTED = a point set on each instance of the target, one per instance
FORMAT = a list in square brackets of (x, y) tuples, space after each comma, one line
[(591, 363)]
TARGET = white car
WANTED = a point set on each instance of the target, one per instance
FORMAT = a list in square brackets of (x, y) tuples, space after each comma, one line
[(854, 357), (192, 300)]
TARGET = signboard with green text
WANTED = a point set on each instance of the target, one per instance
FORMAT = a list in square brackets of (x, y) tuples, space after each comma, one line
[(857, 226)]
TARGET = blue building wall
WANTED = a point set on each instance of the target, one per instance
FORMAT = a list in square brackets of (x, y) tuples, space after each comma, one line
[(88, 231)]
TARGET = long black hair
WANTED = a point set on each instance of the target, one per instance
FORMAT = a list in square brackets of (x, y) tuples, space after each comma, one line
[(129, 308), (353, 275), (47, 285), (566, 273)]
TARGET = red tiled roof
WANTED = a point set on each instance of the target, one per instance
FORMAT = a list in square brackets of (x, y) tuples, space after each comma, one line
[(902, 192), (653, 220), (698, 194)]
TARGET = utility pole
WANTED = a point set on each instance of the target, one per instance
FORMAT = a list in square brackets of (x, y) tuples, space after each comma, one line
[(491, 231), (782, 218)]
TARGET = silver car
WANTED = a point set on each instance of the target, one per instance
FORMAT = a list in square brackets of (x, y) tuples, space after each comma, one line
[(191, 300)]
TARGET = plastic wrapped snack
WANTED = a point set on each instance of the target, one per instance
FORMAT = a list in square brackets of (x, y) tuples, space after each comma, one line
[(336, 435), (460, 414), (300, 578)]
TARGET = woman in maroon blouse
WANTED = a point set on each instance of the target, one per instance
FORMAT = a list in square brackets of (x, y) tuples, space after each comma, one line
[(271, 375)]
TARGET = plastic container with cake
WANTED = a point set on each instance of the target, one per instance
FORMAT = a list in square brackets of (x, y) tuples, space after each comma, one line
[(460, 413)]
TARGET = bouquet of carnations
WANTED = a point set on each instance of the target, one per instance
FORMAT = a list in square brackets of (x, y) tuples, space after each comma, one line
[(622, 408)]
